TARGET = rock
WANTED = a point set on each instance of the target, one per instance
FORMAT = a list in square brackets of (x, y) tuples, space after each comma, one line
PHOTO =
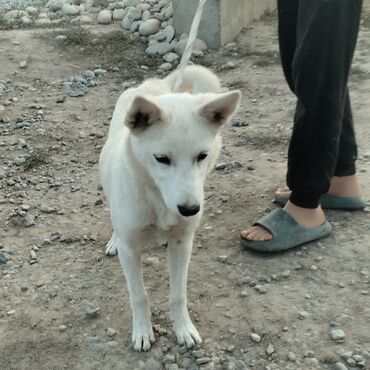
[(84, 19), (13, 15), (26, 20), (170, 57), (255, 337), (133, 14), (54, 5), (104, 17), (42, 22), (167, 34), (145, 15), (126, 23), (133, 2), (143, 7), (303, 315), (149, 27), (159, 49), (61, 99), (203, 360), (31, 10), (135, 26), (337, 334), (118, 14), (340, 366), (70, 10), (179, 47), (62, 328)]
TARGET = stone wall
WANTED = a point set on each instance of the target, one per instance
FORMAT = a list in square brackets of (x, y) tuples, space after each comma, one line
[(222, 20)]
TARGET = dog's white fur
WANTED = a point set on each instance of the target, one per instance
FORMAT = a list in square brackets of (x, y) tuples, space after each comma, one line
[(147, 198)]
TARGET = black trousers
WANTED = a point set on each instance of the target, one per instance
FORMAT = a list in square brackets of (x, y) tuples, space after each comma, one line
[(317, 40)]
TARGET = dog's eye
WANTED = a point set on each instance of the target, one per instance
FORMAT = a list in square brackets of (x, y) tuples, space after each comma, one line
[(202, 157), (162, 159)]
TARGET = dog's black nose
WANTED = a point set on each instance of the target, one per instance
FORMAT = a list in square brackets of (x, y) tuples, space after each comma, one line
[(189, 210)]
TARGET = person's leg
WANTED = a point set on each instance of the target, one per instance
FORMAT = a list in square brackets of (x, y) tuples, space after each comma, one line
[(326, 38), (344, 183), (287, 28)]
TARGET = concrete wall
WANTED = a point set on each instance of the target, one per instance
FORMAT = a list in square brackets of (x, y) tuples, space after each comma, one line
[(222, 20)]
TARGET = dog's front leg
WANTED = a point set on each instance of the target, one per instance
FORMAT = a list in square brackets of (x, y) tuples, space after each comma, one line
[(179, 252), (142, 331)]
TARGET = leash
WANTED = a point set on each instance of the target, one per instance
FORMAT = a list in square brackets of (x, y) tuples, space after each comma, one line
[(189, 45)]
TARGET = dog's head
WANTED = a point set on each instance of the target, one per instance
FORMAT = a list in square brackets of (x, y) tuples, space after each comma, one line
[(175, 137)]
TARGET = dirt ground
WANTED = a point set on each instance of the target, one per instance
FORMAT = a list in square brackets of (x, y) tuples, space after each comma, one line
[(55, 224)]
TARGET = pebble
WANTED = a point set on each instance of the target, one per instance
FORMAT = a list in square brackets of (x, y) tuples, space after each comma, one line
[(23, 64), (270, 349), (111, 332), (61, 99), (33, 255), (228, 65), (351, 362), (91, 311), (62, 328), (222, 258), (337, 334), (100, 72), (260, 289), (255, 337), (3, 258), (303, 315), (221, 166)]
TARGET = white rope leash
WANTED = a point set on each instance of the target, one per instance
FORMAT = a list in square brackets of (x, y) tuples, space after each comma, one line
[(189, 45)]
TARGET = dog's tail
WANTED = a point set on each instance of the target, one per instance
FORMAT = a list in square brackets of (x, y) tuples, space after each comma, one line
[(197, 79)]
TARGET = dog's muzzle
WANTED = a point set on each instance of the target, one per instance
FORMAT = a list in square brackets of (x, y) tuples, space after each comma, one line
[(188, 210)]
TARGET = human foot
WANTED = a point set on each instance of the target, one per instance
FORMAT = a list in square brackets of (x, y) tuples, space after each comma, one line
[(344, 186), (305, 217)]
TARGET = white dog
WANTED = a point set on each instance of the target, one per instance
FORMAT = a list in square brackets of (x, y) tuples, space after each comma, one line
[(160, 147)]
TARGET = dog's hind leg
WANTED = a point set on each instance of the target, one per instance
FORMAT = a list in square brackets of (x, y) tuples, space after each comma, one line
[(111, 247), (179, 251), (142, 331)]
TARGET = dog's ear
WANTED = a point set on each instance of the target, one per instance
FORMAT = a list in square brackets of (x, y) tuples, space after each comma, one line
[(220, 109), (142, 114)]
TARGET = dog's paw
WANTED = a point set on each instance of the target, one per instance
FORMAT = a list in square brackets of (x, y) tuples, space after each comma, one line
[(143, 337), (188, 334), (110, 249)]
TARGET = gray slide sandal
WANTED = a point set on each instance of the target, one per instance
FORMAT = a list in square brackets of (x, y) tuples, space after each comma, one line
[(286, 232), (329, 201)]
